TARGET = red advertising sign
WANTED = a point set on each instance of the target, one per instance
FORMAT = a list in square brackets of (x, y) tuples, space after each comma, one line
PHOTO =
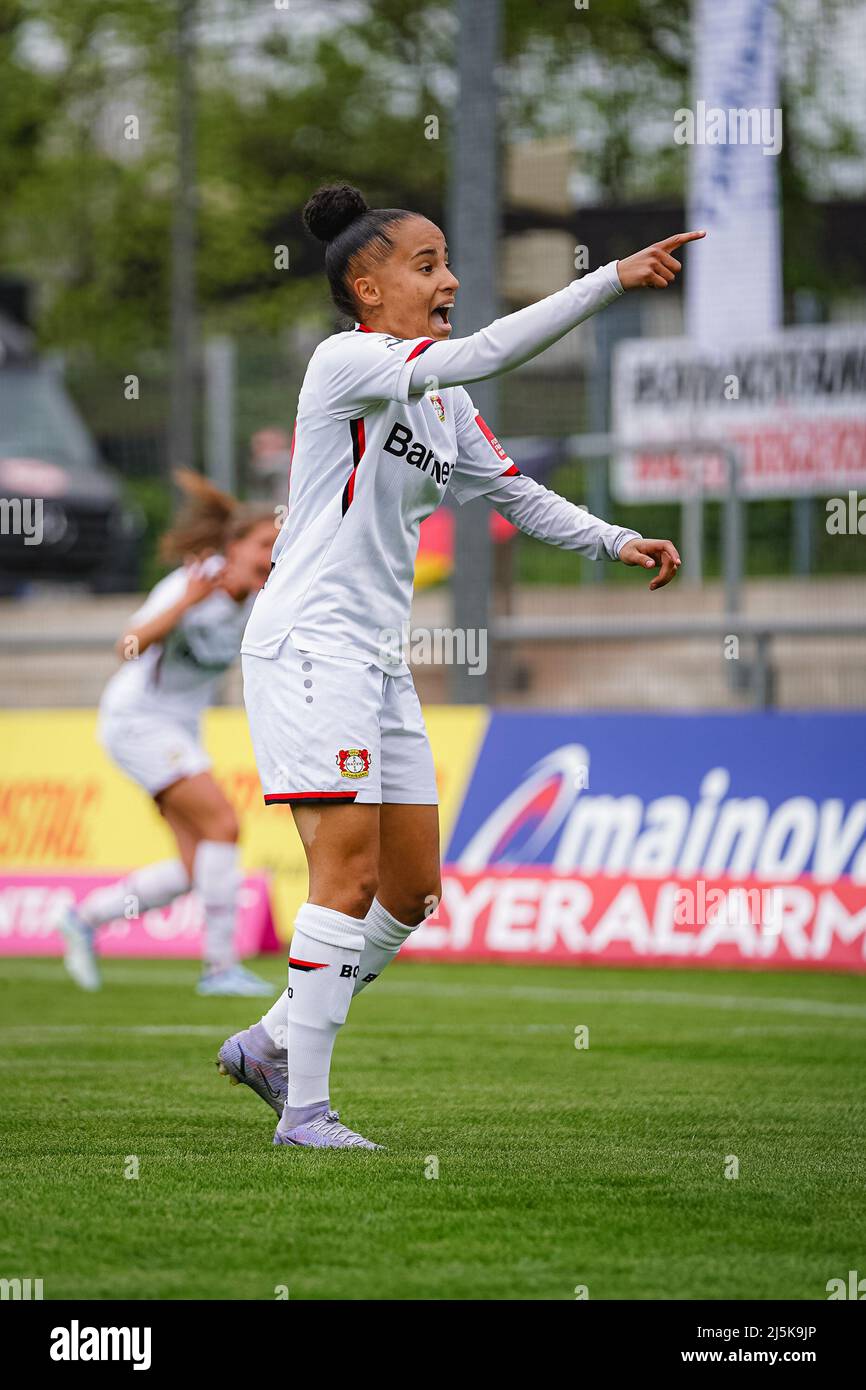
[(534, 914)]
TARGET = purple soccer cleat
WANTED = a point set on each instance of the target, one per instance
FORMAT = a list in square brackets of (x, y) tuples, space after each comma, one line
[(250, 1058), (322, 1130)]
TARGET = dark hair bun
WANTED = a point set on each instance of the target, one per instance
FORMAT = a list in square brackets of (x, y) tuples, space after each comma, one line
[(332, 208)]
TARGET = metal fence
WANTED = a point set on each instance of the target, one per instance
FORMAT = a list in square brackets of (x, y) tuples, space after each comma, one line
[(562, 631), (768, 609), (733, 631)]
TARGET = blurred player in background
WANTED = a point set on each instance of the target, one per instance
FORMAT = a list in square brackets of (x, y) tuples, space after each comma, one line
[(384, 427), (178, 645)]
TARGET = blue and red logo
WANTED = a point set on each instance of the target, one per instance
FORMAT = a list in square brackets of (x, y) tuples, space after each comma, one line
[(770, 796)]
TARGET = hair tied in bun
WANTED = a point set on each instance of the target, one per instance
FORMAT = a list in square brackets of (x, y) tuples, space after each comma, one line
[(355, 236), (331, 209)]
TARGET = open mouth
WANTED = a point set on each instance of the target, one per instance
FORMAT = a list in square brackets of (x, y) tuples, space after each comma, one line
[(441, 312)]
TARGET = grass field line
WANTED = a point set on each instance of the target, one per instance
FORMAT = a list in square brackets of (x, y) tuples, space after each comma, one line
[(52, 971), (654, 997), (776, 1030), (397, 984), (181, 1030)]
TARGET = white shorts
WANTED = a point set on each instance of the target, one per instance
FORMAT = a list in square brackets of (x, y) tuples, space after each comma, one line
[(327, 728), (154, 752)]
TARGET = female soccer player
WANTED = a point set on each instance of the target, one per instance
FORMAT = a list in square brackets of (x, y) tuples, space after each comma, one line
[(178, 644), (384, 428)]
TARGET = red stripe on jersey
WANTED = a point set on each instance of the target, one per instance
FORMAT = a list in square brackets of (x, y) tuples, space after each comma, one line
[(359, 439), (490, 437), (422, 347), (291, 457), (359, 444), (512, 472), (274, 798), (362, 328)]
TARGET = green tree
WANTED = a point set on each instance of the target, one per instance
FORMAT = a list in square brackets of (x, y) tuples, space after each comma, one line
[(289, 99)]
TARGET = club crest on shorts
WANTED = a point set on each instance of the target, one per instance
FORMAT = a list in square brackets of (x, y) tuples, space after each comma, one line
[(353, 762), (438, 404)]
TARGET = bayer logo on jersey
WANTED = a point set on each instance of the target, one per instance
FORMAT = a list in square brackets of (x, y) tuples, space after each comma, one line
[(353, 762)]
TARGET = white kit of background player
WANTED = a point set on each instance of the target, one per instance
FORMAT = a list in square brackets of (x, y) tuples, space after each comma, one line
[(150, 724)]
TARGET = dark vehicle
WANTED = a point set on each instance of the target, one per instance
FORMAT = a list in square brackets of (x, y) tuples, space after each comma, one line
[(62, 515)]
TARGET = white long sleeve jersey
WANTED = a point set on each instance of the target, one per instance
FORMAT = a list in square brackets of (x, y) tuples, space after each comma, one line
[(384, 428)]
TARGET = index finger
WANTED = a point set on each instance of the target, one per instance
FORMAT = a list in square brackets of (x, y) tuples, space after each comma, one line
[(672, 242), (664, 547)]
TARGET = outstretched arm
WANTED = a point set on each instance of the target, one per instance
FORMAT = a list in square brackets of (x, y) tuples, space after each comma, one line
[(548, 517), (484, 469), (513, 340)]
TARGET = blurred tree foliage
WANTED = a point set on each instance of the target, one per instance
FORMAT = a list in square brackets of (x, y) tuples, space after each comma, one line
[(288, 99)]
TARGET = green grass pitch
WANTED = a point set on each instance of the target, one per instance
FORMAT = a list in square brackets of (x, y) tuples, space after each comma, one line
[(558, 1167)]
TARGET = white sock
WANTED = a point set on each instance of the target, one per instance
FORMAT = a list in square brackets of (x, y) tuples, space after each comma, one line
[(153, 886), (275, 1021), (216, 877), (323, 966), (383, 937)]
